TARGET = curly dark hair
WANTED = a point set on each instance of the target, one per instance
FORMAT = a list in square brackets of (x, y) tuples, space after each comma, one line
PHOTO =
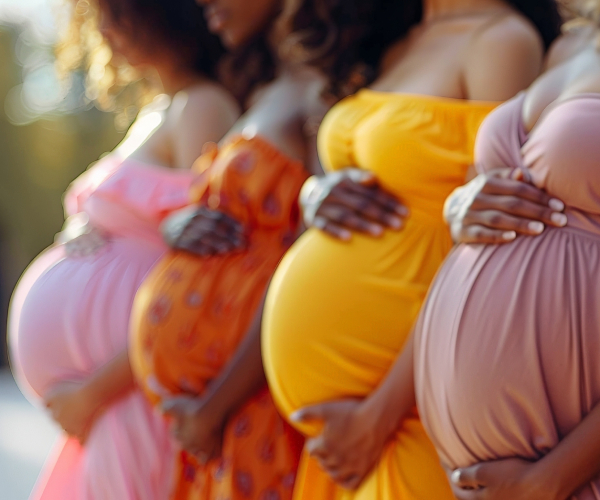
[(112, 84), (177, 24), (346, 39)]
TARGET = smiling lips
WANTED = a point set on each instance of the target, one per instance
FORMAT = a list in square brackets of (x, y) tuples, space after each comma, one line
[(215, 17)]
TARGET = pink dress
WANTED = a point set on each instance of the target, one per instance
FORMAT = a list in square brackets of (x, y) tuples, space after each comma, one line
[(70, 316), (507, 345)]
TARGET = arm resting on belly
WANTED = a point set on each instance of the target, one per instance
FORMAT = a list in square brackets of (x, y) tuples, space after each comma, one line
[(112, 381), (576, 459), (572, 464), (241, 377), (76, 404), (394, 399), (198, 423), (355, 432)]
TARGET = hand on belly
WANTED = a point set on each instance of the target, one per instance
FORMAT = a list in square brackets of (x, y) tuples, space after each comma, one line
[(73, 407), (512, 478), (350, 442)]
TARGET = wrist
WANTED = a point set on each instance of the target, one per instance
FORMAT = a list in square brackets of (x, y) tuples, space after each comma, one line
[(380, 415), (100, 393), (210, 414), (90, 394), (548, 483), (214, 407)]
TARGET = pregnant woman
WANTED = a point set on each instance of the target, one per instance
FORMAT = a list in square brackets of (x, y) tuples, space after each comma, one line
[(506, 347), (339, 313), (196, 322), (70, 312)]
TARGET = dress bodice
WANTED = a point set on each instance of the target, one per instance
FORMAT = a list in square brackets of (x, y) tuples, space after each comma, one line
[(420, 147), (128, 198), (560, 155)]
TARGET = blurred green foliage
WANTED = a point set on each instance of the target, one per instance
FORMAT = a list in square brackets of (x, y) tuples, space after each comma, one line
[(37, 163)]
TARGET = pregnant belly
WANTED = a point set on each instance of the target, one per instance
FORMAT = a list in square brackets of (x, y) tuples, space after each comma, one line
[(507, 344), (338, 314), (70, 315)]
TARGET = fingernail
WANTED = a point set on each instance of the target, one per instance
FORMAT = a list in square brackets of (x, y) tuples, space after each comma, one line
[(295, 417), (394, 222), (536, 227), (319, 223), (509, 235), (375, 230), (345, 235), (557, 205), (559, 219), (455, 477), (401, 210)]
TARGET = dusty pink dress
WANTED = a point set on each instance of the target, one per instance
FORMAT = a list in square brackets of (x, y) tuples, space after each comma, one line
[(70, 316), (508, 343)]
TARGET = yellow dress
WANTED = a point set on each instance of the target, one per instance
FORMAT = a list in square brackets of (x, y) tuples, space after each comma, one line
[(338, 313)]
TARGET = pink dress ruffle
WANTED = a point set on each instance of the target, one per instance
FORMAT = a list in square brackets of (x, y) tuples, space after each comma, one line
[(70, 315)]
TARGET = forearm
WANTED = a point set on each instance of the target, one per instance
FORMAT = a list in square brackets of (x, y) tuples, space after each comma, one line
[(575, 461), (112, 381), (394, 399), (242, 376)]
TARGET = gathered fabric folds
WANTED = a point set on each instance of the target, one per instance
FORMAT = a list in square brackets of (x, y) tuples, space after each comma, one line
[(506, 344)]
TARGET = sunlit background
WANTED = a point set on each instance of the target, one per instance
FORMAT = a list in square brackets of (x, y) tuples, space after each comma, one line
[(49, 133)]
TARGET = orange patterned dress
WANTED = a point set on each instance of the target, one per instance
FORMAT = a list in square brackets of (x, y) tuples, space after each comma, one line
[(192, 312)]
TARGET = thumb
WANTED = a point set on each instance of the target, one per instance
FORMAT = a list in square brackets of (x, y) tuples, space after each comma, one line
[(466, 478), (310, 413)]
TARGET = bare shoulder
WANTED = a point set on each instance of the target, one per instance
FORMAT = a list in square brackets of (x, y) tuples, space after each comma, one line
[(202, 113), (202, 99), (279, 109), (504, 57), (573, 39), (394, 54), (297, 89), (509, 35)]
